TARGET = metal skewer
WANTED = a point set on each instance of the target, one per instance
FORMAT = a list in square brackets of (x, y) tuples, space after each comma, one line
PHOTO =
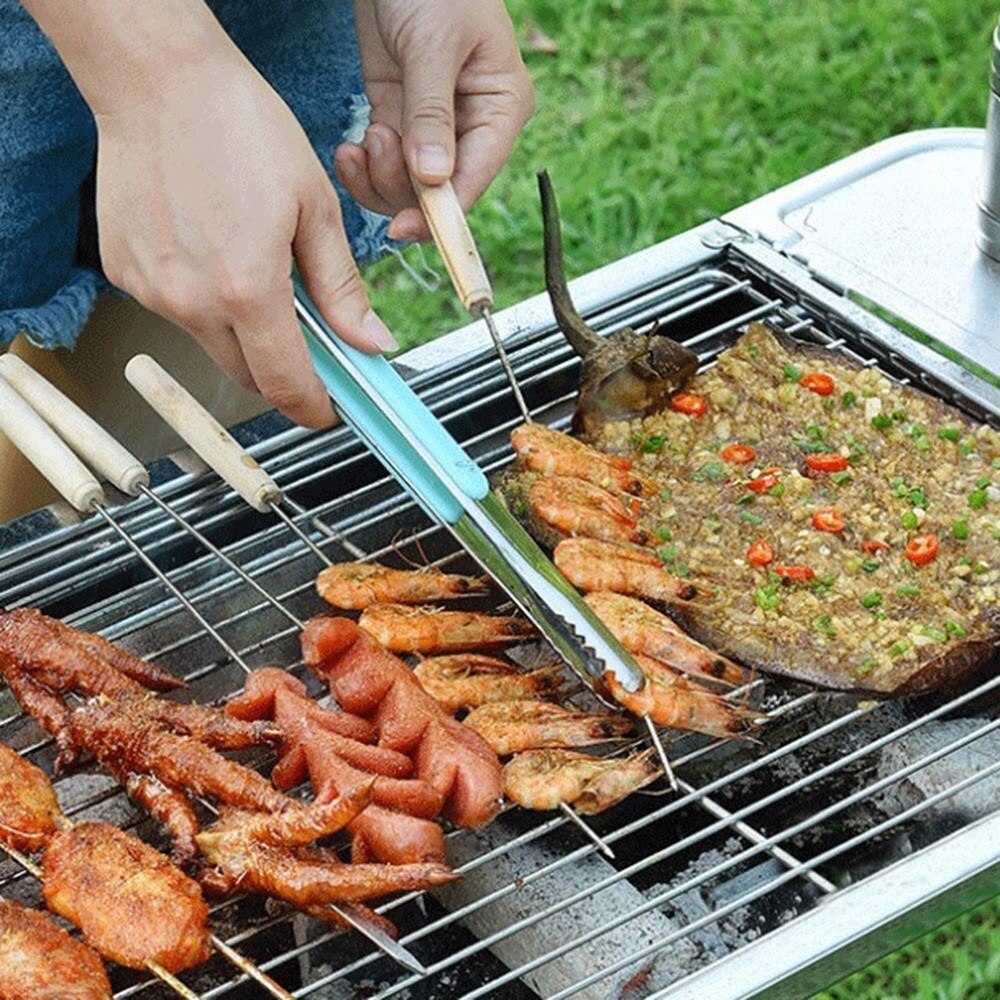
[(661, 752), (53, 458), (515, 386)]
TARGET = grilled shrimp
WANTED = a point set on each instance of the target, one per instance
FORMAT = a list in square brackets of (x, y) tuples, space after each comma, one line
[(592, 565), (432, 630), (671, 699), (642, 629), (356, 585), (556, 454), (467, 680), (577, 507), (512, 727), (542, 779)]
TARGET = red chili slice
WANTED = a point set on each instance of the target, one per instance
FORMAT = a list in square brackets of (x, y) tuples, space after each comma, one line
[(801, 574), (760, 553), (763, 484), (829, 520), (738, 454), (817, 382), (688, 403), (873, 547), (826, 462), (922, 549)]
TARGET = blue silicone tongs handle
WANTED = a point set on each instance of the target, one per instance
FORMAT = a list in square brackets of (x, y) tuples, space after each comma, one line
[(361, 386)]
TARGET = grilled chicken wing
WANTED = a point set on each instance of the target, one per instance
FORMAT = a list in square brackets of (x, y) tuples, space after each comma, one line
[(29, 812), (368, 680), (40, 961), (130, 902)]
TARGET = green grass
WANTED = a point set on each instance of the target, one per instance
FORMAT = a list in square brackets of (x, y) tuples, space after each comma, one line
[(656, 115), (959, 961)]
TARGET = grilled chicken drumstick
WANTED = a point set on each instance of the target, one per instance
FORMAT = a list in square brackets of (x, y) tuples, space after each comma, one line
[(29, 811), (40, 961), (369, 681)]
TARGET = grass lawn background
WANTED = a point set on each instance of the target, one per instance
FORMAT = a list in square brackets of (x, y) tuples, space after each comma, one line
[(655, 115)]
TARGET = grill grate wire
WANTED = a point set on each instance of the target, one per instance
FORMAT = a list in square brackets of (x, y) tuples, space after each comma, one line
[(264, 553)]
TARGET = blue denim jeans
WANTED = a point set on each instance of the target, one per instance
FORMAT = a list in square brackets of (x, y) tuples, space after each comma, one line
[(49, 267)]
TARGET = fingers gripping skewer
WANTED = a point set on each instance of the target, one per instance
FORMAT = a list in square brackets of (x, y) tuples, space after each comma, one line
[(457, 245)]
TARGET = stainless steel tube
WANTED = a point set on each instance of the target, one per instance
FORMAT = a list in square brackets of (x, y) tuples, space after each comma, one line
[(989, 204)]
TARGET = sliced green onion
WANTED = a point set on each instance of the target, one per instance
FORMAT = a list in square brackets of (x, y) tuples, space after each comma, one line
[(909, 520), (713, 472), (899, 415), (778, 490), (871, 600), (937, 634), (823, 624), (995, 463), (870, 565), (746, 515), (954, 629), (749, 498), (864, 668), (841, 477), (881, 422), (654, 443), (949, 434), (668, 553), (664, 494), (792, 373), (922, 444), (960, 530), (848, 400), (767, 598), (663, 533), (983, 481), (908, 591), (752, 350), (977, 500), (899, 647)]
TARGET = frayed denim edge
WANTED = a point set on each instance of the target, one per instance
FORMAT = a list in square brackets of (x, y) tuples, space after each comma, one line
[(57, 322)]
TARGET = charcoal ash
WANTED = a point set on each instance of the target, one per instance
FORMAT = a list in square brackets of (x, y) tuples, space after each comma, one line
[(567, 925)]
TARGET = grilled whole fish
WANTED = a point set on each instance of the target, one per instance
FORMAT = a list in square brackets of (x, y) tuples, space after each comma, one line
[(842, 529)]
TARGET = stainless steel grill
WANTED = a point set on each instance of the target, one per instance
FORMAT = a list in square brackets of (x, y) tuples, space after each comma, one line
[(776, 866)]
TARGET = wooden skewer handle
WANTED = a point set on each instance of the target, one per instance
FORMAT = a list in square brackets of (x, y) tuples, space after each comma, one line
[(82, 433), (454, 239), (202, 432), (40, 444)]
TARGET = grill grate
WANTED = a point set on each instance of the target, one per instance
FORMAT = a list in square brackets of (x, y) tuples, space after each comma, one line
[(756, 836)]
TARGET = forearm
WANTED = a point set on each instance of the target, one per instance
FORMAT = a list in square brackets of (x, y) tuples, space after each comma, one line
[(125, 52)]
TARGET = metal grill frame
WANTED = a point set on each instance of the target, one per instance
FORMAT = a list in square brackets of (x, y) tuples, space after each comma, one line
[(677, 276)]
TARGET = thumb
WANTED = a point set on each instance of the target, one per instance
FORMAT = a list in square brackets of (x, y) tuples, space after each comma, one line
[(429, 119), (332, 278)]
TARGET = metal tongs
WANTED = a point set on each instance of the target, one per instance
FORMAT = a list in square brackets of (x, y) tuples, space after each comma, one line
[(391, 419)]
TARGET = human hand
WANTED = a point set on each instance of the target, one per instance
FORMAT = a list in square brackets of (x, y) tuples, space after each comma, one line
[(449, 95), (205, 191)]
